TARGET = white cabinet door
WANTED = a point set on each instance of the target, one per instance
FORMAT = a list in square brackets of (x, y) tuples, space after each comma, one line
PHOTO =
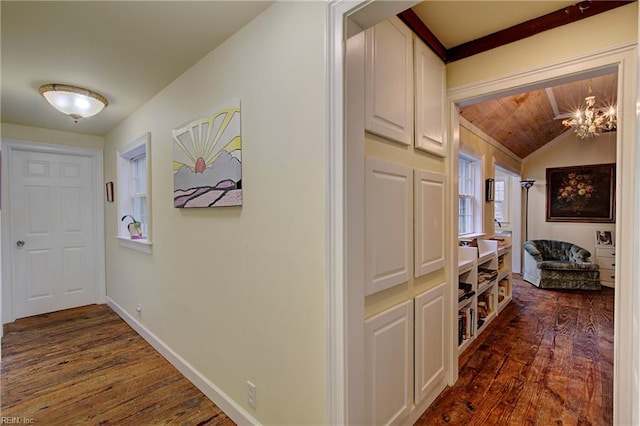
[(389, 365), (430, 100), (388, 225), (429, 222), (430, 349), (389, 80)]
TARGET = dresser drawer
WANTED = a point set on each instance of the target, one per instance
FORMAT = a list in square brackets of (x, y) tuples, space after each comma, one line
[(606, 262), (606, 251), (607, 275)]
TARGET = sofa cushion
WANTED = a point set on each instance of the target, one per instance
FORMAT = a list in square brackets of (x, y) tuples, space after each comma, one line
[(567, 265)]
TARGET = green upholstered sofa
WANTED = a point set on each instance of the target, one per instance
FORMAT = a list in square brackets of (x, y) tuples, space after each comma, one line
[(560, 265)]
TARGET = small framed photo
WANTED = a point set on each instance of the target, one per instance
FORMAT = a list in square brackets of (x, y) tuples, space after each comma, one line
[(604, 238)]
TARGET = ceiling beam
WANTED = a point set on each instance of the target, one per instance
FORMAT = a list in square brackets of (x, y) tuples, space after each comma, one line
[(413, 21), (564, 16)]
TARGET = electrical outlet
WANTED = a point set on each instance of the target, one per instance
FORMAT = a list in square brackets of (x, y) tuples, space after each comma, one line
[(139, 308), (251, 394)]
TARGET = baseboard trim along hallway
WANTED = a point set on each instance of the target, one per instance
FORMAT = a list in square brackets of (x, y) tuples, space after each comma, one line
[(238, 414)]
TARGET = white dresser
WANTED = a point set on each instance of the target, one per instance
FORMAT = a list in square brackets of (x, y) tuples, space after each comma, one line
[(606, 260)]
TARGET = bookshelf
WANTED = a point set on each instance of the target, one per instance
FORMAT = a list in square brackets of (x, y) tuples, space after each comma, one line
[(504, 276), (484, 287), (468, 281)]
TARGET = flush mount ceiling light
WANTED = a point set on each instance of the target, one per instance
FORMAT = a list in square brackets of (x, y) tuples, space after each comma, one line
[(591, 121), (73, 101)]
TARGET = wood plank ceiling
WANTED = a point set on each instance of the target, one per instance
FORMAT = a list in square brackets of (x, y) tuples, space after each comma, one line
[(525, 122)]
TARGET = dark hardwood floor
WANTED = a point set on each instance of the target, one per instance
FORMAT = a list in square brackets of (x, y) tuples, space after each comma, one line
[(87, 366), (547, 359)]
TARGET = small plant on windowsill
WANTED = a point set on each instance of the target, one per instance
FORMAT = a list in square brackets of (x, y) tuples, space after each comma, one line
[(134, 227)]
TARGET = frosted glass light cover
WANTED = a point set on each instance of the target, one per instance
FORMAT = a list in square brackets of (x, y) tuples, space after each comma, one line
[(73, 101)]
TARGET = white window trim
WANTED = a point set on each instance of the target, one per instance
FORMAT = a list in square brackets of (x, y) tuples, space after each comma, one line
[(141, 145), (478, 206)]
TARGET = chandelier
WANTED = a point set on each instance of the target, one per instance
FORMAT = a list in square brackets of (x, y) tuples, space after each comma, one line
[(591, 121)]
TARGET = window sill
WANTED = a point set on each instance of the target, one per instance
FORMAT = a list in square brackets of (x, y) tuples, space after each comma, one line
[(473, 235), (140, 245)]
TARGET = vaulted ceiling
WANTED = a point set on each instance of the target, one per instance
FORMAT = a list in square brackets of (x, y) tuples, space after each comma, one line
[(525, 122)]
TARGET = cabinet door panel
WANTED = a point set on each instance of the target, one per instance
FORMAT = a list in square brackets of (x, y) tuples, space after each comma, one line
[(389, 80), (430, 353), (429, 238), (430, 101), (388, 225), (389, 365)]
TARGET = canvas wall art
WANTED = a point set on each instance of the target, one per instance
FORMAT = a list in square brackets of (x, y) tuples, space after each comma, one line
[(207, 160), (581, 193)]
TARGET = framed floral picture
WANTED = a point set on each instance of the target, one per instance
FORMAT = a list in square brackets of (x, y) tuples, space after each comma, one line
[(581, 193)]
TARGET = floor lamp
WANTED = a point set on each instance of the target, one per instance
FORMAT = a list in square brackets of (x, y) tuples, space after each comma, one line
[(526, 184)]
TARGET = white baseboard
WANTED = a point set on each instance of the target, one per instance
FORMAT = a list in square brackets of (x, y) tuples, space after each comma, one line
[(238, 414)]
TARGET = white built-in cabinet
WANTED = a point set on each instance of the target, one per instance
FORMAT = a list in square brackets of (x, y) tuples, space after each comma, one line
[(389, 81), (405, 363), (389, 365), (388, 224), (396, 233), (429, 72), (394, 230), (405, 88)]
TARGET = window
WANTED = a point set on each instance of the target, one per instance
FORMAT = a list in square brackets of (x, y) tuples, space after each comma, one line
[(134, 198), (469, 195), (499, 202), (503, 188), (138, 194)]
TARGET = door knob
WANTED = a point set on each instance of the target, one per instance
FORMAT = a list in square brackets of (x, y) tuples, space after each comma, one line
[(20, 243)]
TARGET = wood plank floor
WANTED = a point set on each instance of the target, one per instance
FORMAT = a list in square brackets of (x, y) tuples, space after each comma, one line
[(87, 366), (547, 359)]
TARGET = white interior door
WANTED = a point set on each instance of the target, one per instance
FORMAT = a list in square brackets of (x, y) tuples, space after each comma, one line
[(52, 210)]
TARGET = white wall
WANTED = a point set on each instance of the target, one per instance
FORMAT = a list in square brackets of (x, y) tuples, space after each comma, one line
[(566, 150), (37, 134), (238, 292)]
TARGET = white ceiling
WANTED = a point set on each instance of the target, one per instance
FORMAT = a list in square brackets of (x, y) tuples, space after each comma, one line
[(126, 50), (131, 50)]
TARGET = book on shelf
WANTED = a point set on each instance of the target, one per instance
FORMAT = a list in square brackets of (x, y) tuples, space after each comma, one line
[(466, 317), (465, 291), (502, 289), (485, 304)]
